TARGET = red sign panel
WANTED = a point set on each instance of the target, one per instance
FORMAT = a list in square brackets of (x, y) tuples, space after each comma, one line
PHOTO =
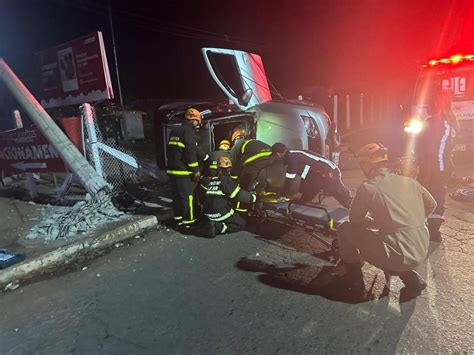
[(75, 72), (27, 150)]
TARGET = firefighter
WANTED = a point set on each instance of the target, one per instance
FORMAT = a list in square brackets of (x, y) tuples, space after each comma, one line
[(222, 192), (309, 173), (211, 166), (183, 167), (386, 222), (434, 150), (249, 158)]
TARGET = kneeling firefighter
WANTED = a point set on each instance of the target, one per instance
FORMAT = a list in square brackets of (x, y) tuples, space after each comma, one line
[(309, 173), (386, 222), (249, 158), (221, 194), (210, 169)]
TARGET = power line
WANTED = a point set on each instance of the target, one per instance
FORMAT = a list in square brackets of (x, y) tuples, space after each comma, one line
[(156, 25)]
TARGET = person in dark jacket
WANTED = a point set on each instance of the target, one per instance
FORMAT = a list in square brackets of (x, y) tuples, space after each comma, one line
[(309, 173), (222, 192), (434, 150), (183, 167)]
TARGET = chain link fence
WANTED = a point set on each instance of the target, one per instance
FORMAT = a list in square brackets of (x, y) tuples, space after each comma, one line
[(116, 164)]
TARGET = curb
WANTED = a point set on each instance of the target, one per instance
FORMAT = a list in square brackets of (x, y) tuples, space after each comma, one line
[(66, 254)]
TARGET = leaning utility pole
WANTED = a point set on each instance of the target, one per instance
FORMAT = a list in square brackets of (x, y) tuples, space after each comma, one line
[(89, 178)]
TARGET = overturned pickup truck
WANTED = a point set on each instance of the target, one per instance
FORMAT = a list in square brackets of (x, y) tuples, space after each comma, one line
[(241, 76), (299, 125)]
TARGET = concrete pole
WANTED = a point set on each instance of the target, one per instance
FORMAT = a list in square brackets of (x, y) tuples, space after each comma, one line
[(361, 109), (88, 177), (334, 111)]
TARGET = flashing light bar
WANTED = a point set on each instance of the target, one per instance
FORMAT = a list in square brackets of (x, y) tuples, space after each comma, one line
[(454, 59)]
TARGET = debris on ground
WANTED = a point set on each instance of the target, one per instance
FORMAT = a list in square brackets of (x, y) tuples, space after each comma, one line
[(72, 222), (11, 286), (464, 194)]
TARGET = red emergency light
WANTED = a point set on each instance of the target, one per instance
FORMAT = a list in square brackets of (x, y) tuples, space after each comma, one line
[(454, 59)]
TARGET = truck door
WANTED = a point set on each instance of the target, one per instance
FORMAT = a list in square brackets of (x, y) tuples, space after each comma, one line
[(240, 75)]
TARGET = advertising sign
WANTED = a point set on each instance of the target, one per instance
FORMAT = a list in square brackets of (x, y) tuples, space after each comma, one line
[(27, 150), (75, 72)]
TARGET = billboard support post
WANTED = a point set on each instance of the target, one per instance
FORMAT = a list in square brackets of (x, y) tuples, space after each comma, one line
[(115, 56), (88, 177)]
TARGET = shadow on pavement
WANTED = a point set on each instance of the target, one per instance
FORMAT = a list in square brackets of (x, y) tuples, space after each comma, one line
[(292, 237), (307, 279)]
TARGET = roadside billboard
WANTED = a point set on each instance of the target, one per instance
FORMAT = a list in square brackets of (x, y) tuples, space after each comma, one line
[(75, 72)]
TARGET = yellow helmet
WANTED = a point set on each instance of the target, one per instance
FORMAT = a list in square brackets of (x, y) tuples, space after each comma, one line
[(193, 114), (372, 153), (224, 163), (224, 144), (237, 133)]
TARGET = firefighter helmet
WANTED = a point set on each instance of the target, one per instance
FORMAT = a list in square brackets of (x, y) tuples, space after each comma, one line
[(224, 163), (237, 133), (372, 153), (193, 114), (224, 144)]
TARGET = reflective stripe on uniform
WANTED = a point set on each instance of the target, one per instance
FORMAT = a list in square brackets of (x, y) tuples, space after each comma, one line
[(212, 166), (254, 198), (305, 171), (190, 222), (191, 209), (235, 192), (215, 193), (234, 177), (315, 157), (221, 218), (179, 144), (290, 176), (193, 165), (224, 228), (177, 218), (178, 172), (442, 146), (244, 145), (257, 156), (237, 208)]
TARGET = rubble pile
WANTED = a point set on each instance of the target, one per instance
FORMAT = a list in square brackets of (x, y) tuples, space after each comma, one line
[(70, 223)]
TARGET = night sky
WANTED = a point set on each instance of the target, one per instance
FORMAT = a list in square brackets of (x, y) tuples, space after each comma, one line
[(339, 44)]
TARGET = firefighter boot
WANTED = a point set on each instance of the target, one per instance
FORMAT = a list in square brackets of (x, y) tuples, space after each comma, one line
[(433, 227), (213, 229), (413, 281)]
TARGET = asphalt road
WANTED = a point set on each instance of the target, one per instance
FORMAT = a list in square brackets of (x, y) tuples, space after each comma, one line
[(175, 294), (258, 293)]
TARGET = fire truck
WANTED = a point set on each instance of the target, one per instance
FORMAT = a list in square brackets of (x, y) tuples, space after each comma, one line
[(455, 74)]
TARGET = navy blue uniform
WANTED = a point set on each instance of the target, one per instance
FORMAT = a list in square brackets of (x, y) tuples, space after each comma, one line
[(310, 173), (434, 150)]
